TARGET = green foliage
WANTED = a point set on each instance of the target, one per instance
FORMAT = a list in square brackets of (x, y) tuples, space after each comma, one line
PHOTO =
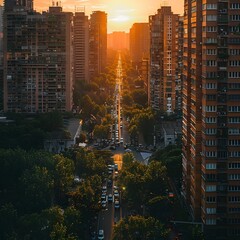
[(51, 121), (138, 227), (140, 97)]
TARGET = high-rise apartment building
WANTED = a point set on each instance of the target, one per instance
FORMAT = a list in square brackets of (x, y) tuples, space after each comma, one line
[(118, 41), (81, 47), (37, 60), (211, 115), (97, 43), (164, 56), (139, 42)]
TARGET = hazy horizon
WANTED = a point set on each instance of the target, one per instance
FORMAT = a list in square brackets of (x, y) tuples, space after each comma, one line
[(121, 13)]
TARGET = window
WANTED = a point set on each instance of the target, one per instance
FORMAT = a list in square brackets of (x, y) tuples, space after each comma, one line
[(234, 188), (211, 154), (211, 6), (234, 51), (210, 40), (235, 17), (234, 199), (234, 108), (234, 176), (211, 86), (211, 142), (234, 166), (234, 97), (234, 131), (234, 210), (211, 199), (211, 120), (234, 154), (210, 221), (211, 51), (234, 120), (210, 108), (234, 142), (211, 18), (211, 29), (234, 86), (211, 210), (233, 74), (211, 188), (211, 166), (211, 63), (211, 131), (235, 6), (234, 63)]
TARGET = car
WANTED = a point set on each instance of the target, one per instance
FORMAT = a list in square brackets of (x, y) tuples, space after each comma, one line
[(115, 187), (103, 196), (121, 140), (100, 234), (116, 194), (110, 198), (117, 204), (109, 183), (104, 189), (104, 204)]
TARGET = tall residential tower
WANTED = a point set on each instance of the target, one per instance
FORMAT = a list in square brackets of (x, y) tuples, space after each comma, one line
[(211, 115)]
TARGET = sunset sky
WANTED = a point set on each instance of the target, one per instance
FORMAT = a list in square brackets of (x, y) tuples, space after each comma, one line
[(121, 13)]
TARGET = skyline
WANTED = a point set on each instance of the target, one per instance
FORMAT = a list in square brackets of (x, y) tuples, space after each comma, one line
[(121, 13)]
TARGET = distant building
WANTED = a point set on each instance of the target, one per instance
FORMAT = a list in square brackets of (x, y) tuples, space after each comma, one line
[(81, 47), (118, 41), (164, 57), (211, 116), (97, 43), (38, 67), (139, 42)]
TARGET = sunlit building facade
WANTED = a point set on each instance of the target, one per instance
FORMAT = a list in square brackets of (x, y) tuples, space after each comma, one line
[(211, 115), (164, 56), (81, 47), (38, 68), (118, 41), (97, 43)]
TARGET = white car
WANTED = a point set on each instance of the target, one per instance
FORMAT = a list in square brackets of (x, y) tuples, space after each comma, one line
[(116, 194), (116, 204), (104, 189), (104, 204), (101, 235)]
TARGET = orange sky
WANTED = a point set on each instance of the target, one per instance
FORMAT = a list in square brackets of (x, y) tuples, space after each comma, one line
[(121, 13)]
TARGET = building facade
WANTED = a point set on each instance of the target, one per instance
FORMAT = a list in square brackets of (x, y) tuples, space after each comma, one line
[(97, 43), (118, 41), (164, 56), (81, 47), (211, 115), (139, 42), (37, 60)]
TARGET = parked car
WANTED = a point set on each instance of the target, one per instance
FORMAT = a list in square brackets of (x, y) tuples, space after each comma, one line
[(116, 204), (101, 235), (110, 198)]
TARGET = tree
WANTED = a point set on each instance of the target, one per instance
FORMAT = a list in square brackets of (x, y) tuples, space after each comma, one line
[(101, 131), (140, 97), (139, 228), (37, 189)]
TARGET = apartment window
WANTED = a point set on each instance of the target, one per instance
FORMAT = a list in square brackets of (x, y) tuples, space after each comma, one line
[(234, 29), (234, 51), (234, 176), (211, 154), (211, 97), (234, 131), (234, 199), (211, 188), (211, 142), (234, 86), (210, 166), (234, 120), (234, 188), (211, 74), (235, 6), (211, 210), (211, 86), (210, 108), (234, 63), (233, 74), (234, 142), (193, 9), (235, 17), (211, 51), (234, 108), (211, 29), (211, 131), (234, 210), (234, 97), (234, 165), (211, 6), (210, 40), (211, 199), (210, 221), (210, 120), (212, 18), (234, 154)]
